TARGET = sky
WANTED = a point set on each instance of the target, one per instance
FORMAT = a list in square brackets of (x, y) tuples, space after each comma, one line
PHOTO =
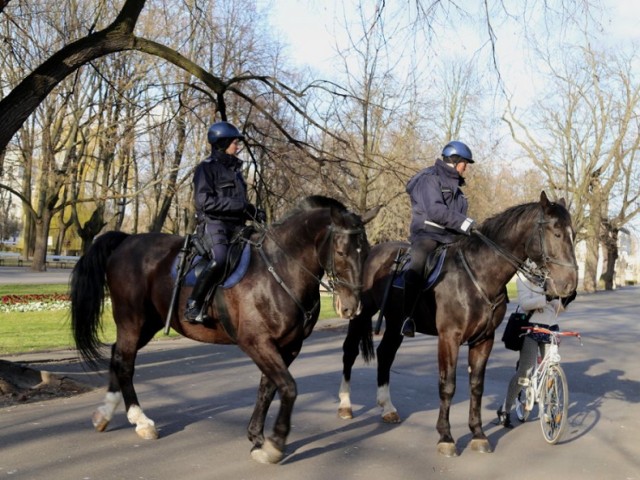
[(308, 26)]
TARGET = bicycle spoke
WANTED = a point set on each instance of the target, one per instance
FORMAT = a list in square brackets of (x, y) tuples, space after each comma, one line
[(555, 395)]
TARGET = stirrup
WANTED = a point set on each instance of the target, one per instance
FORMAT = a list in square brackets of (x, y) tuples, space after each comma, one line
[(408, 328), (195, 314)]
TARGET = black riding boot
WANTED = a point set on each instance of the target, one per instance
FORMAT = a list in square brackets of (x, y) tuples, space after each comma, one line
[(412, 287), (209, 277)]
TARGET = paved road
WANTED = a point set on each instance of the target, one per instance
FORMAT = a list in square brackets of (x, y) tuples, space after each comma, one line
[(23, 275), (201, 397)]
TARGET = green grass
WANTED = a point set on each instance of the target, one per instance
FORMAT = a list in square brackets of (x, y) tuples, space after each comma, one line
[(44, 288), (26, 332)]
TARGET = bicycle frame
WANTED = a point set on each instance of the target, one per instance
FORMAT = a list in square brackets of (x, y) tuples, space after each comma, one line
[(547, 386)]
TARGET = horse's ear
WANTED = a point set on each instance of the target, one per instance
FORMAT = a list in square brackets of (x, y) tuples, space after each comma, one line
[(544, 201), (371, 214)]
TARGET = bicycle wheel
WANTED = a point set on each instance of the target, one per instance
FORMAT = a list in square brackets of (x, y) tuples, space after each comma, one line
[(522, 412), (555, 400)]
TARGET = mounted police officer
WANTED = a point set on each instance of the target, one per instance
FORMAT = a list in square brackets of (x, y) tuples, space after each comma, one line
[(220, 196), (439, 216)]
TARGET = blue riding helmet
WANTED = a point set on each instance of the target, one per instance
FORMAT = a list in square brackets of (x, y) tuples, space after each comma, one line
[(458, 148), (222, 130)]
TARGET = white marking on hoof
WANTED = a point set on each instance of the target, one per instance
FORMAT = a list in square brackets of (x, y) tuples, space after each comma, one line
[(268, 453), (100, 422), (148, 432), (104, 413), (389, 412), (145, 427), (447, 449), (345, 413), (344, 409), (481, 445), (391, 417)]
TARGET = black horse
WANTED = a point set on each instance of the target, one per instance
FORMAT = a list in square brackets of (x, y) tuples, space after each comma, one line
[(267, 314), (465, 305)]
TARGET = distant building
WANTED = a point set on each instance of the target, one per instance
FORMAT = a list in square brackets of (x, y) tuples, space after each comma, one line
[(627, 265)]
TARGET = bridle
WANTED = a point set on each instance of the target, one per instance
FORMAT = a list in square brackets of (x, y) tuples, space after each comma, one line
[(539, 274), (329, 267)]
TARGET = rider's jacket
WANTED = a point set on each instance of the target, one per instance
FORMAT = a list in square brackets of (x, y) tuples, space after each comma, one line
[(220, 191), (438, 205)]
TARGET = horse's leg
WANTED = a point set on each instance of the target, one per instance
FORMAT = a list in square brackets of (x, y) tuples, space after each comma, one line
[(386, 351), (478, 357), (266, 392), (448, 349), (274, 365), (349, 354), (121, 370), (104, 413)]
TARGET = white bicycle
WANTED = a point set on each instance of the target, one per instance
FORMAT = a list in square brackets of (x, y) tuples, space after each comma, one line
[(547, 386)]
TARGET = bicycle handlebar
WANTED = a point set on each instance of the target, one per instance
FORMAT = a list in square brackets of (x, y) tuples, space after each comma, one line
[(535, 329)]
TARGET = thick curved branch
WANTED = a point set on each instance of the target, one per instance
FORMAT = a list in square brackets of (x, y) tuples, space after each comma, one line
[(22, 101), (25, 201)]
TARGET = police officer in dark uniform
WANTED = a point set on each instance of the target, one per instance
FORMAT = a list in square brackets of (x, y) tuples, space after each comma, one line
[(439, 215), (220, 195)]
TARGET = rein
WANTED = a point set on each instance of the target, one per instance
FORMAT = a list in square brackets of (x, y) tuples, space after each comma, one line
[(334, 280), (537, 276)]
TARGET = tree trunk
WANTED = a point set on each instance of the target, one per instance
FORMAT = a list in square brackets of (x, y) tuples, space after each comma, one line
[(590, 280), (42, 224), (611, 246)]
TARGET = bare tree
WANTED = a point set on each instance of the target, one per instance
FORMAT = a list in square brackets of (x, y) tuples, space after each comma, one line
[(589, 145)]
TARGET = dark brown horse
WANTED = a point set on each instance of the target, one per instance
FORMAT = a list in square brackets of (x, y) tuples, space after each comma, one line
[(267, 314), (465, 305)]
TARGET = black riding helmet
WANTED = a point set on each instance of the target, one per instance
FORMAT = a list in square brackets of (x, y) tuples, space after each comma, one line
[(454, 152), (221, 134)]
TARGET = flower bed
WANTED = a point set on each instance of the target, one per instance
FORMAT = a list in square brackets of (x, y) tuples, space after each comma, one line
[(34, 302)]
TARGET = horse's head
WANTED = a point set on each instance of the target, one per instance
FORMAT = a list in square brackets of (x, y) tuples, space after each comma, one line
[(552, 248), (347, 249)]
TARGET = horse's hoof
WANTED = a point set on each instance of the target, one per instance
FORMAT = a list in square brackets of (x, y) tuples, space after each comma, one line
[(100, 422), (447, 449), (481, 445), (267, 453), (391, 417), (148, 432), (346, 413)]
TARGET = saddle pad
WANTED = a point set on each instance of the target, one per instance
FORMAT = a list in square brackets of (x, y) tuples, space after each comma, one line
[(398, 281), (234, 277)]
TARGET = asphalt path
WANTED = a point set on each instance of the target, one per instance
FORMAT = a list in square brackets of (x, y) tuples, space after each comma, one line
[(24, 275), (201, 398)]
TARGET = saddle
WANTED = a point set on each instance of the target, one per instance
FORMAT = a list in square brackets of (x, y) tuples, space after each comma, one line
[(432, 270), (198, 258)]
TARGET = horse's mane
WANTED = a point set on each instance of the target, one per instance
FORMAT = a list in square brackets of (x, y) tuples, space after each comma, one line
[(507, 221), (315, 201), (502, 223), (320, 201)]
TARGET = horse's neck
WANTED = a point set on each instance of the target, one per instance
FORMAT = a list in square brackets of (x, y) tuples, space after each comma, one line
[(295, 243), (492, 267)]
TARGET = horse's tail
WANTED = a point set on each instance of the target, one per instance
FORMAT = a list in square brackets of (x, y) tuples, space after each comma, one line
[(364, 331), (87, 291)]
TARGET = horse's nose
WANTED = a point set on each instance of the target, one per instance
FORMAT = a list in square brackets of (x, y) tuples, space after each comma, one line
[(348, 308)]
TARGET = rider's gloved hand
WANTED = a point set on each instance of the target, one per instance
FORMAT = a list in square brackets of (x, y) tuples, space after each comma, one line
[(261, 216), (250, 211)]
